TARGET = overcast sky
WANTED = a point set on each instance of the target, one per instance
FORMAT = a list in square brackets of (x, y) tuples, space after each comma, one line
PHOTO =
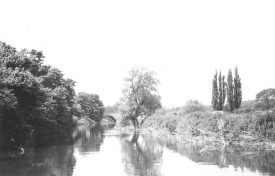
[(95, 42)]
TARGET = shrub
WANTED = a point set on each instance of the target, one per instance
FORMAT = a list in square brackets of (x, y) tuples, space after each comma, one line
[(263, 125), (205, 121), (193, 106)]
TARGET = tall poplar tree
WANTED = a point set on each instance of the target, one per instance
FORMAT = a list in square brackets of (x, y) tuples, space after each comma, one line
[(221, 92), (230, 90), (237, 89), (215, 92)]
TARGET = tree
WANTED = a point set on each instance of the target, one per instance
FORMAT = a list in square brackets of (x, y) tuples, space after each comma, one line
[(230, 91), (218, 91), (91, 105), (35, 99), (215, 92), (237, 90), (140, 96), (265, 99), (221, 92)]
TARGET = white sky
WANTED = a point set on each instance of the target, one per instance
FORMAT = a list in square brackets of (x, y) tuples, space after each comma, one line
[(95, 42)]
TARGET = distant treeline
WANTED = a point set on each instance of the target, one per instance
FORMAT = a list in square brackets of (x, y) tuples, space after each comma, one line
[(36, 101)]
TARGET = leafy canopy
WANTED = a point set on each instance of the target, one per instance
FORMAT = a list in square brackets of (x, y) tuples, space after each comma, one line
[(265, 99), (91, 105), (33, 96), (140, 95)]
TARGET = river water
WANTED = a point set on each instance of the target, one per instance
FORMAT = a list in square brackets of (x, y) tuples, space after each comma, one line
[(105, 152)]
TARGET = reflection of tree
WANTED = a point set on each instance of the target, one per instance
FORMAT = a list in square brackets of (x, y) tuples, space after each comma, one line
[(56, 160), (52, 160), (263, 161), (140, 156), (258, 160), (89, 139)]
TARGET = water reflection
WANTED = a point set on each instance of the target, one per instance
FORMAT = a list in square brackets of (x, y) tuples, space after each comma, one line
[(55, 160), (101, 151), (140, 156), (88, 139), (240, 159)]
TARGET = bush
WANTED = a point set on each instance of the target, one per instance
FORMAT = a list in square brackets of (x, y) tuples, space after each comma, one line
[(263, 125), (193, 106)]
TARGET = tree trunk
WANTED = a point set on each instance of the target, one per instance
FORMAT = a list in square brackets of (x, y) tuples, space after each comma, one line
[(135, 122), (135, 138)]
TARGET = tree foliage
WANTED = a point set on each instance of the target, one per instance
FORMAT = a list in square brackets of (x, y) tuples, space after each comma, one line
[(222, 92), (265, 99), (234, 90), (230, 90), (218, 91), (237, 89), (32, 94), (215, 92), (140, 96), (91, 105)]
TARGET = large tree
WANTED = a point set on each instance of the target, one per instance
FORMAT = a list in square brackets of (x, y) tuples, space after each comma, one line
[(140, 96), (266, 99), (35, 99), (234, 90), (215, 93), (218, 91), (222, 91), (230, 90), (237, 90)]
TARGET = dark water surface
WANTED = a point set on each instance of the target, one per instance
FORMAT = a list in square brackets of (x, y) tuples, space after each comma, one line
[(101, 152)]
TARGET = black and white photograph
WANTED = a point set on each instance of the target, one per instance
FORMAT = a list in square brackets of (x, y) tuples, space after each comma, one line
[(137, 88)]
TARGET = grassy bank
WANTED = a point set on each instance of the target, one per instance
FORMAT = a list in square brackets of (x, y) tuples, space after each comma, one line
[(248, 129)]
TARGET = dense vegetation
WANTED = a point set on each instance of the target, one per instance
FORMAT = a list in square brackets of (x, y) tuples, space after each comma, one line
[(36, 101), (234, 124), (90, 105), (251, 125), (210, 127)]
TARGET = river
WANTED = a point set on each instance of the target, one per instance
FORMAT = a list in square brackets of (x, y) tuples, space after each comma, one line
[(104, 152)]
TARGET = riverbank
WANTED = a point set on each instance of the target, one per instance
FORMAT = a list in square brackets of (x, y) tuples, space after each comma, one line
[(214, 129), (83, 121)]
